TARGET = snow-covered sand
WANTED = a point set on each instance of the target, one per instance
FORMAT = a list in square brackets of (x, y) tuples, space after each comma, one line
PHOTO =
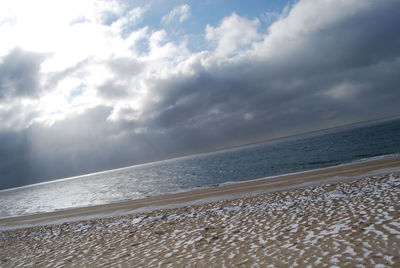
[(343, 224)]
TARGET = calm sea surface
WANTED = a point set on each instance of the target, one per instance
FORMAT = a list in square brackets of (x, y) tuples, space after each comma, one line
[(303, 152)]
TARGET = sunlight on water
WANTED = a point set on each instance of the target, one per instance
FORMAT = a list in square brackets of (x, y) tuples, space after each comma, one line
[(206, 170)]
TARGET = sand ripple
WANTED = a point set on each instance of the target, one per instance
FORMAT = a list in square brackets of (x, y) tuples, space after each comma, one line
[(345, 224)]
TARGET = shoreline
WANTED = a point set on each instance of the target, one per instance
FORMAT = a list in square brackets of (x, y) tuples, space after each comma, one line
[(340, 173), (350, 223)]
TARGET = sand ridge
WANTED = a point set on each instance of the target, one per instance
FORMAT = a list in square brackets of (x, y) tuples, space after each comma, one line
[(351, 223)]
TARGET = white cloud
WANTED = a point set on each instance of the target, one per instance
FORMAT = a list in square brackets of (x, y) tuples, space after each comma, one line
[(130, 19), (45, 26), (180, 13), (102, 76), (301, 21), (67, 33), (233, 33), (140, 82)]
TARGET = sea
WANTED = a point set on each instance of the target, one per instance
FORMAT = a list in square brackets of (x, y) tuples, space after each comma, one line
[(337, 146)]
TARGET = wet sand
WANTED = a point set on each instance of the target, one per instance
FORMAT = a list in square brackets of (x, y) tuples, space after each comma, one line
[(278, 183), (346, 216)]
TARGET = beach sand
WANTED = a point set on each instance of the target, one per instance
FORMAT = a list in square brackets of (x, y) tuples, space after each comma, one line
[(346, 216)]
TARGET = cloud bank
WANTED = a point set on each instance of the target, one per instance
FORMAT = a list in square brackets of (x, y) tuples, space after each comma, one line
[(107, 91)]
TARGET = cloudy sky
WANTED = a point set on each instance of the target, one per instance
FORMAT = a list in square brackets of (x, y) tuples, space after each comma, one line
[(92, 85)]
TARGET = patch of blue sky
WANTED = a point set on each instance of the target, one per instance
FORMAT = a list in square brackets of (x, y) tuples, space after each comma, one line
[(76, 92), (203, 13)]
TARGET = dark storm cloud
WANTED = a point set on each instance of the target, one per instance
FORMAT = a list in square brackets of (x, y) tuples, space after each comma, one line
[(81, 144), (19, 81), (19, 74), (14, 160), (124, 70), (77, 145), (343, 72)]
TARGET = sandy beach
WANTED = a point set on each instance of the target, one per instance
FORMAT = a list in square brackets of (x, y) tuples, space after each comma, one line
[(341, 216)]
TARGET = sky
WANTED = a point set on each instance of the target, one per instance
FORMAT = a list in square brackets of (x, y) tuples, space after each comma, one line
[(92, 85)]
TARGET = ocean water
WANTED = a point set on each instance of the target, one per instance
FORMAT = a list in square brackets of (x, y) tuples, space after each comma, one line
[(286, 155)]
